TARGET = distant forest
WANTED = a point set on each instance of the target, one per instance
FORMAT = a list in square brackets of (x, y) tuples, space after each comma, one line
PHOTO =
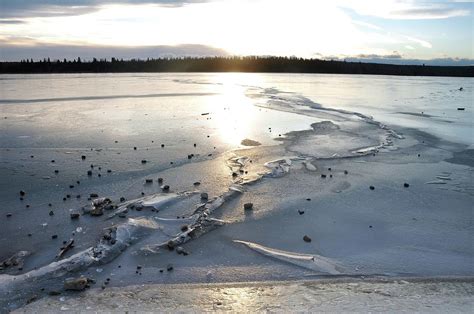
[(229, 64)]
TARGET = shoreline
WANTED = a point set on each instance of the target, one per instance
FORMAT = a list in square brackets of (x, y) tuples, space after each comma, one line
[(423, 294)]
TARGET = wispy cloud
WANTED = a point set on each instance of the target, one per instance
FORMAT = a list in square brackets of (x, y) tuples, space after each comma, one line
[(408, 9), (45, 8), (421, 42)]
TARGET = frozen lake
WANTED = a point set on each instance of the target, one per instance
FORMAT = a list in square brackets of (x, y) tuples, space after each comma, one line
[(63, 137)]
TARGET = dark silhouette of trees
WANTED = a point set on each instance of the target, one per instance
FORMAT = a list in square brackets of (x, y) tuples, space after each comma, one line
[(230, 64)]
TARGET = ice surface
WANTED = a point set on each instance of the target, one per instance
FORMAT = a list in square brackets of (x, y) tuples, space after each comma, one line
[(325, 139)]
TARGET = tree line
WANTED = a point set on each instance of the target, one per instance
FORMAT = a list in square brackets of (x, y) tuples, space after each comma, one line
[(228, 64)]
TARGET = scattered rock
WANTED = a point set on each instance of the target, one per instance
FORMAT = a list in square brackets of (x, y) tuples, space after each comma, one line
[(93, 195), (461, 109), (148, 181), (22, 193), (306, 239), (32, 299), (16, 260), (83, 157), (372, 187), (54, 292), (165, 188), (99, 204), (122, 199), (143, 161), (74, 215), (197, 183), (248, 206), (9, 215), (68, 245), (171, 244), (204, 196), (77, 284), (89, 173), (135, 148), (323, 176), (249, 142), (346, 172), (184, 228), (169, 267), (301, 212), (54, 236), (406, 184), (181, 251), (51, 213)]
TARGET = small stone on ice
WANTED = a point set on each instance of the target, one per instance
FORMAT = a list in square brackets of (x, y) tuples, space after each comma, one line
[(248, 206), (306, 239)]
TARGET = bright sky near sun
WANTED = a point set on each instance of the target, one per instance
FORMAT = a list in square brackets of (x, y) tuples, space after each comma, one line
[(340, 28)]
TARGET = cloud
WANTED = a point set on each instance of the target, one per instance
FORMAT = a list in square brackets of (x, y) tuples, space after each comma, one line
[(11, 21), (421, 42), (441, 12), (408, 9), (397, 58), (394, 55), (46, 8), (26, 48)]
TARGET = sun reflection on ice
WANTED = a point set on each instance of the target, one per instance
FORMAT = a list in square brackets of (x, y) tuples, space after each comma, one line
[(235, 117)]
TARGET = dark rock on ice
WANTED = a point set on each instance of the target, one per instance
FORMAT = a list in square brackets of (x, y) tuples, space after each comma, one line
[(76, 284), (248, 206)]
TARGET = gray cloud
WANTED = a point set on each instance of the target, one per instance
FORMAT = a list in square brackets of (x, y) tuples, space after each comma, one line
[(397, 58), (394, 55), (35, 8), (11, 21), (429, 12), (27, 50)]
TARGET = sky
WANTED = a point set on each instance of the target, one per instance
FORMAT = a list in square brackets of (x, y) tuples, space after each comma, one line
[(391, 31)]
